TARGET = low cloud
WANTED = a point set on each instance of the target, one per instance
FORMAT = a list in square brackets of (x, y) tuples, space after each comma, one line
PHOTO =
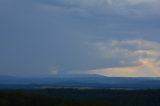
[(54, 71), (137, 58)]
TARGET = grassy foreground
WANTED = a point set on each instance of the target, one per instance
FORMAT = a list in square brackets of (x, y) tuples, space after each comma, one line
[(75, 97)]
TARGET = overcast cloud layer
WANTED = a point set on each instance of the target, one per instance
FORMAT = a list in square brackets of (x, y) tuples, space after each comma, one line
[(108, 37), (130, 8)]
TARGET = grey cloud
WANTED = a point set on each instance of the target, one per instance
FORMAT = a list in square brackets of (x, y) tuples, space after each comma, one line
[(129, 52), (129, 8), (57, 3), (36, 35)]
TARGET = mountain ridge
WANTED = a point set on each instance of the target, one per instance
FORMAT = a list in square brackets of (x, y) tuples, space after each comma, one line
[(82, 80)]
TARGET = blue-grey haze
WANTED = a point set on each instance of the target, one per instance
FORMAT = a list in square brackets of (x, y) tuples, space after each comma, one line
[(38, 35)]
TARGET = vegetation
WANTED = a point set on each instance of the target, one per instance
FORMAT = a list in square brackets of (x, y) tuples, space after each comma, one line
[(75, 97)]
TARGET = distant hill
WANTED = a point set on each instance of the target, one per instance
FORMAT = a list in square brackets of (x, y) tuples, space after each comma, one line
[(81, 81)]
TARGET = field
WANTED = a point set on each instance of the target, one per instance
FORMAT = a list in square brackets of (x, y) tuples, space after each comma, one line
[(79, 97)]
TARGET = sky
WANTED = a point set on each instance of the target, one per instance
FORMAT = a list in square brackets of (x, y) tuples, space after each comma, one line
[(106, 37)]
